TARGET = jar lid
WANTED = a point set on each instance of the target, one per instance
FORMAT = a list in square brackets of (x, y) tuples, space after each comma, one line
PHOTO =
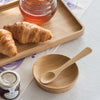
[(9, 79)]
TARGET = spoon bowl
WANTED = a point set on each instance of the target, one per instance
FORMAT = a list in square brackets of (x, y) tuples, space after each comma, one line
[(47, 77), (64, 81)]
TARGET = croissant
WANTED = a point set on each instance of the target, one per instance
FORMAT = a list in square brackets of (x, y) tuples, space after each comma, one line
[(26, 32), (7, 44)]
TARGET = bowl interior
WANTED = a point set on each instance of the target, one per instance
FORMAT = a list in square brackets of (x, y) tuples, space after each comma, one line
[(53, 61)]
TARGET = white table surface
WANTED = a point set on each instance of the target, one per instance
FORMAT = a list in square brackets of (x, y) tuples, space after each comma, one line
[(87, 86)]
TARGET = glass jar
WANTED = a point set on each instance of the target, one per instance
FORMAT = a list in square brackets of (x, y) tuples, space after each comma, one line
[(38, 11), (9, 85)]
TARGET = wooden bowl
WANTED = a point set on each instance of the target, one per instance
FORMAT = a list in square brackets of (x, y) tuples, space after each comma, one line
[(64, 81)]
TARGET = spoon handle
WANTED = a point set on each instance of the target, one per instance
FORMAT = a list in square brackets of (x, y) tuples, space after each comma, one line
[(82, 54)]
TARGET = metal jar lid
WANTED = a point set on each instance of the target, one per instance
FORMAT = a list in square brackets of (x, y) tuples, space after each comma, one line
[(9, 79)]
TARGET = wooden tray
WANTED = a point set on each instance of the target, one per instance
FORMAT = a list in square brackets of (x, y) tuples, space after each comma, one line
[(64, 26)]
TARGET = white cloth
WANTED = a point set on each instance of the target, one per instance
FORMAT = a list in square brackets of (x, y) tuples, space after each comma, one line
[(4, 1)]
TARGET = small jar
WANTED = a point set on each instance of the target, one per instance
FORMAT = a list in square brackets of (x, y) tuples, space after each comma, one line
[(38, 11), (9, 85)]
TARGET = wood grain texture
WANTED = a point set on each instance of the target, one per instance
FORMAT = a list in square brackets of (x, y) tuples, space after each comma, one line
[(64, 81), (64, 27)]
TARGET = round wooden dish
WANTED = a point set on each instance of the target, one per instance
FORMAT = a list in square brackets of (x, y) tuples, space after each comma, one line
[(64, 81)]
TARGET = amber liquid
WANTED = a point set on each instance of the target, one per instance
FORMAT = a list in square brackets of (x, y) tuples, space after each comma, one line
[(37, 11)]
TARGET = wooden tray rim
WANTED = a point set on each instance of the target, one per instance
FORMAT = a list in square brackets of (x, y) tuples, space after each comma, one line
[(51, 44)]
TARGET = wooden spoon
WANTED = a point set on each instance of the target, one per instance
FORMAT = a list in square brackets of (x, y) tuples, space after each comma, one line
[(50, 76)]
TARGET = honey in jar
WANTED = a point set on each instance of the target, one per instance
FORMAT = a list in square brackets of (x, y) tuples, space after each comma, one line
[(38, 11)]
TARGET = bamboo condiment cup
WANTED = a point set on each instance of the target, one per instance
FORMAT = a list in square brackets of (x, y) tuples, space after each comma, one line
[(64, 81)]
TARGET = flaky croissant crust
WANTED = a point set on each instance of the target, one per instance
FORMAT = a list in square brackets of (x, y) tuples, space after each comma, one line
[(26, 32), (7, 44)]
